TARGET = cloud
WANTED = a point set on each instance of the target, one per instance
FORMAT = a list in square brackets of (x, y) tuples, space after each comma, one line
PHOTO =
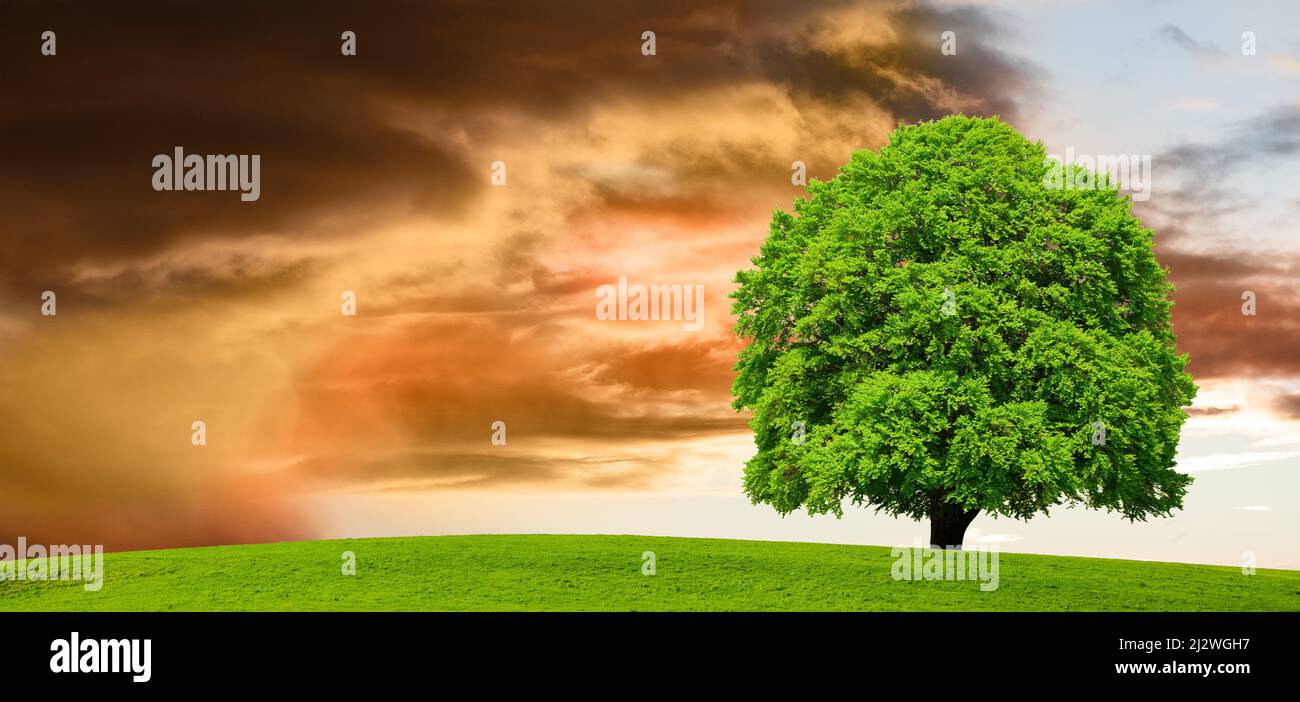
[(1201, 195), (475, 302), (1199, 181), (96, 444), (1197, 104), (977, 535), (1269, 136), (1288, 405), (1284, 63), (399, 130), (1210, 411), (1229, 461), (1208, 317), (1183, 41)]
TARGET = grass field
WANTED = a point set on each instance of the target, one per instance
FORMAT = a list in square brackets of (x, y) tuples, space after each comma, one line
[(526, 572)]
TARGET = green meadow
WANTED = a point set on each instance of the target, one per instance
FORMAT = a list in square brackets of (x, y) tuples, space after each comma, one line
[(605, 573)]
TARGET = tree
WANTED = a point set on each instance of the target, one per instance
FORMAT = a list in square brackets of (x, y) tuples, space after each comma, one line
[(942, 329)]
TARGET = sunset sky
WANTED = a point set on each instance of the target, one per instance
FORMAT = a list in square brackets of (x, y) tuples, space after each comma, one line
[(476, 302)]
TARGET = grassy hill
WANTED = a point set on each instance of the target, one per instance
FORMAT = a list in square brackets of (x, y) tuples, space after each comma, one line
[(527, 572)]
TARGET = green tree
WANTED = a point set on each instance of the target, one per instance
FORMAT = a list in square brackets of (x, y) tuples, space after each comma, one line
[(942, 330)]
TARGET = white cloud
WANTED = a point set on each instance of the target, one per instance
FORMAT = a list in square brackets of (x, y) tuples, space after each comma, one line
[(978, 536), (1226, 461), (1196, 104)]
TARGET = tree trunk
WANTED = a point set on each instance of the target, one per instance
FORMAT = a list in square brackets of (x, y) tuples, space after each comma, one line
[(948, 525)]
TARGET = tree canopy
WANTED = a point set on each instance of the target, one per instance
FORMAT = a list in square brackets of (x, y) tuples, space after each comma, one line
[(939, 327)]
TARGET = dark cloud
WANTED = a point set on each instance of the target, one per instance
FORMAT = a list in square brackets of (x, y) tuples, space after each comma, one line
[(1197, 195), (1245, 144), (1211, 411), (446, 380), (979, 69), (80, 129), (1196, 187), (1221, 341), (701, 366), (433, 388), (1183, 41), (157, 325), (1288, 405), (444, 470)]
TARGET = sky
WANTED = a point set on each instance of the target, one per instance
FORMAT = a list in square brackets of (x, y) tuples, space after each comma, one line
[(475, 298)]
